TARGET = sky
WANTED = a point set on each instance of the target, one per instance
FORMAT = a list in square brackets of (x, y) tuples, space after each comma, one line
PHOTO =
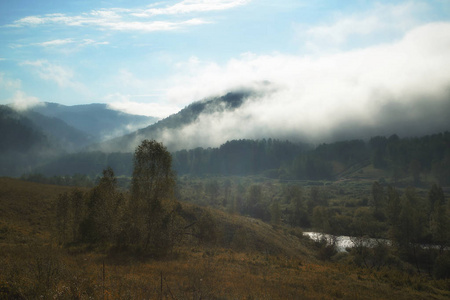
[(325, 61)]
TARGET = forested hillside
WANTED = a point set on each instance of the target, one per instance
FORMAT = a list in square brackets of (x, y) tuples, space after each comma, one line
[(239, 157), (398, 158), (38, 135), (23, 145), (65, 136), (194, 237), (97, 120), (172, 126)]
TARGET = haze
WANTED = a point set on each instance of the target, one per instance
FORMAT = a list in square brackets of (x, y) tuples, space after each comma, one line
[(318, 71)]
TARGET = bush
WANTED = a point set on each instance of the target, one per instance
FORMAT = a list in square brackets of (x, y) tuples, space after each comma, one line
[(442, 266)]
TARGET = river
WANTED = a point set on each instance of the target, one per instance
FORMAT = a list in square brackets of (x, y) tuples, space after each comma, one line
[(343, 241)]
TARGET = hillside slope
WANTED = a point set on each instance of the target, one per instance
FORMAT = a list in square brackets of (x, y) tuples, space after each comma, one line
[(23, 144), (97, 120), (262, 263), (67, 137), (176, 122), (28, 208)]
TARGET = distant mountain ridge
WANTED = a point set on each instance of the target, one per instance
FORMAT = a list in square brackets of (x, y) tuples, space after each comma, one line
[(32, 137), (185, 117), (97, 120), (18, 133), (59, 132), (23, 144)]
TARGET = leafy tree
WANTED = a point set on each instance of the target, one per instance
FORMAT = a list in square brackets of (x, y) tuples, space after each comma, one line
[(442, 266), (255, 206), (298, 215), (439, 222), (378, 199), (441, 170), (63, 217), (364, 228), (275, 213), (415, 169), (436, 197), (316, 197), (364, 224), (213, 191), (199, 192), (411, 227), (152, 197), (77, 207), (105, 209), (205, 229), (226, 189), (393, 209), (321, 219)]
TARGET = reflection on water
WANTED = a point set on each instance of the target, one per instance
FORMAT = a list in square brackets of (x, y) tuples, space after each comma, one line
[(342, 241)]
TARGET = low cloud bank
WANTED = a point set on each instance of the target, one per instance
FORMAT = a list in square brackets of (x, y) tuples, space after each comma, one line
[(401, 87)]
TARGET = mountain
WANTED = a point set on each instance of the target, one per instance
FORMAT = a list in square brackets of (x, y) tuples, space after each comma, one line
[(31, 138), (97, 120), (265, 111), (59, 132), (18, 134), (23, 144), (175, 123)]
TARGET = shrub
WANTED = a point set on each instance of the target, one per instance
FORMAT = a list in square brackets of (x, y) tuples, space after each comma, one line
[(442, 266)]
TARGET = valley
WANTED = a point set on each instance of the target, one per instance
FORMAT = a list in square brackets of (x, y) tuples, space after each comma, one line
[(258, 261), (224, 149)]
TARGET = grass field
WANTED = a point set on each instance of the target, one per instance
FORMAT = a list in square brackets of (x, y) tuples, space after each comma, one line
[(249, 260)]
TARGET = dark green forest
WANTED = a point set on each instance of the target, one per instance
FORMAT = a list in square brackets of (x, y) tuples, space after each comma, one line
[(251, 198), (392, 224), (383, 189), (399, 157)]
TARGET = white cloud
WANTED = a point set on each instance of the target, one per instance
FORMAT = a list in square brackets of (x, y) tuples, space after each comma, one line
[(130, 19), (192, 6), (152, 26), (60, 44), (86, 42), (382, 21), (62, 76), (315, 96), (103, 20), (8, 83), (153, 109), (29, 21), (57, 42), (421, 54), (21, 101)]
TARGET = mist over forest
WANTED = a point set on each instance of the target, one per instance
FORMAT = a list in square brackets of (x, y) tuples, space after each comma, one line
[(225, 149)]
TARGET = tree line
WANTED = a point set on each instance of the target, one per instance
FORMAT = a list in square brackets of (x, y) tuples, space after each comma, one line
[(147, 219), (402, 157), (238, 157), (388, 225)]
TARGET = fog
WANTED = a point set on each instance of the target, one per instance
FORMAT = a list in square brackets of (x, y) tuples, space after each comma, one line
[(401, 87)]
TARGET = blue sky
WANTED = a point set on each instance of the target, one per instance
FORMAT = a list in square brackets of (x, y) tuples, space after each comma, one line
[(155, 57)]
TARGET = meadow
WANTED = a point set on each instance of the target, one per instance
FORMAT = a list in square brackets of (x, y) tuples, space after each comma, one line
[(247, 259)]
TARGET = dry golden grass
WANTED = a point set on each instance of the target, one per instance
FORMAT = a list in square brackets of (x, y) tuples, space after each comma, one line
[(205, 274), (263, 263), (27, 209)]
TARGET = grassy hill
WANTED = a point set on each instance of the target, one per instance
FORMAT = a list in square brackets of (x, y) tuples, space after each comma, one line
[(27, 210), (249, 260)]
